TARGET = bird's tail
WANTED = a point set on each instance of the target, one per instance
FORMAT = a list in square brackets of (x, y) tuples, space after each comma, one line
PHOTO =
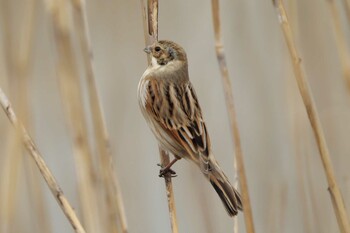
[(227, 193)]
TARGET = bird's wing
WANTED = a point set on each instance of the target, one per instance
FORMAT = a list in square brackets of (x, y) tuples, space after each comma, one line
[(176, 109)]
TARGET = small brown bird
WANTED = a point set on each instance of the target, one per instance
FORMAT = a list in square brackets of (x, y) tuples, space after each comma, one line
[(170, 106)]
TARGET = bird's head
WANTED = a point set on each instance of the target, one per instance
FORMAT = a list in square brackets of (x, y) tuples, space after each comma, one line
[(164, 52)]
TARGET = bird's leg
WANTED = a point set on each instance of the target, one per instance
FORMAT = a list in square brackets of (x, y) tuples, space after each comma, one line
[(167, 168)]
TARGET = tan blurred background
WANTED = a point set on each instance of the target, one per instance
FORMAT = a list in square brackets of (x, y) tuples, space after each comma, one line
[(287, 184)]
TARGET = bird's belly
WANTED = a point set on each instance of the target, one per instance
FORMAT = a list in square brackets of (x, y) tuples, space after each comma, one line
[(165, 140)]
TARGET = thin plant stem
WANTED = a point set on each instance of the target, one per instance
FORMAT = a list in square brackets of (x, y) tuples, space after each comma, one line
[(304, 89), (340, 40), (10, 173), (150, 20), (13, 163), (23, 65), (248, 215), (114, 198), (297, 122), (164, 160), (68, 76), (346, 6), (44, 170)]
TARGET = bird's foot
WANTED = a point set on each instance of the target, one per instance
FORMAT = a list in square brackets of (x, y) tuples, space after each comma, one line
[(166, 170)]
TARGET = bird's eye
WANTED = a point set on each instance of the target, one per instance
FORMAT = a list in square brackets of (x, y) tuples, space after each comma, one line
[(157, 48)]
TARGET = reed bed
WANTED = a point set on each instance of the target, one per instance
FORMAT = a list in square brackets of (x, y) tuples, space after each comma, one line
[(93, 51), (33, 151), (16, 166), (114, 199), (304, 89)]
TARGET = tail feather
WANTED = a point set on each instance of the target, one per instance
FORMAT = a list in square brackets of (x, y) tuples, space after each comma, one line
[(227, 193)]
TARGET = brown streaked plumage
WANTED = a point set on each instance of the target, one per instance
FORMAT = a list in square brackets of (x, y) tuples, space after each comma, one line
[(170, 106)]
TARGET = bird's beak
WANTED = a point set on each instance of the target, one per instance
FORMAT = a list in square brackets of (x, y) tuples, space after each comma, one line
[(147, 49)]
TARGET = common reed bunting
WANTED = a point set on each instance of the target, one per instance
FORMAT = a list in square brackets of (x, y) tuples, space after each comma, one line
[(170, 106)]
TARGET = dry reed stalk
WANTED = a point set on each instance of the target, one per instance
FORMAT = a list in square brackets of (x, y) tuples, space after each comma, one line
[(305, 92), (44, 170), (11, 170), (10, 173), (248, 215), (114, 198), (23, 63), (72, 101), (346, 6), (150, 22), (164, 160), (341, 43), (297, 127), (13, 164)]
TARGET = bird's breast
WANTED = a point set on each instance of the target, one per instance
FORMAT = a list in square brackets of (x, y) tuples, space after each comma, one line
[(142, 92)]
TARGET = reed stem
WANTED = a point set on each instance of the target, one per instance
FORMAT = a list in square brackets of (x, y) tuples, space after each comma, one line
[(248, 214), (304, 89), (44, 170), (340, 38), (114, 198), (150, 22), (72, 101)]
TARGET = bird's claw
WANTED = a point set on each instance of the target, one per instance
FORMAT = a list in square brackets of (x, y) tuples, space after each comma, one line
[(165, 171)]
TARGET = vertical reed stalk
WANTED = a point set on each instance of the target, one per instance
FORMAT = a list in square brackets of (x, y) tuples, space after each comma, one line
[(310, 107), (10, 173), (12, 166), (72, 101), (346, 6), (248, 215), (297, 130), (23, 64), (340, 41), (46, 173), (114, 198), (150, 20), (164, 160)]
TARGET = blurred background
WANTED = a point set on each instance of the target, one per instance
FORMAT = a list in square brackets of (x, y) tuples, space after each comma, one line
[(287, 184)]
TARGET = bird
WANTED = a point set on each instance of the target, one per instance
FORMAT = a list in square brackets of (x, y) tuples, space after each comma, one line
[(169, 104)]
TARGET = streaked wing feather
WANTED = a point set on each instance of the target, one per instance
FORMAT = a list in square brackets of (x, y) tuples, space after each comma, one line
[(180, 116)]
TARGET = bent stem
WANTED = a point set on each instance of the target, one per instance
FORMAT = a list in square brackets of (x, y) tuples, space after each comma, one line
[(44, 170)]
